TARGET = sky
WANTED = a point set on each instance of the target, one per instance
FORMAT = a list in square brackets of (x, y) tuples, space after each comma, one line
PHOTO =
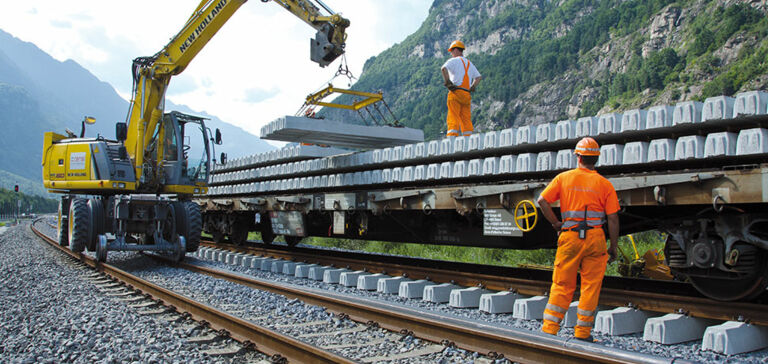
[(254, 70)]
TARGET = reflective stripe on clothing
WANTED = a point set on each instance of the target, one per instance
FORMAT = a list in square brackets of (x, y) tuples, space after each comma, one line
[(585, 323), (582, 189), (555, 308), (580, 214), (552, 318), (585, 312)]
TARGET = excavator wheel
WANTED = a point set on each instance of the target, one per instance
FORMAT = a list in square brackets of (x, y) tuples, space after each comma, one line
[(96, 209), (267, 235), (181, 249), (62, 225), (189, 223), (79, 225)]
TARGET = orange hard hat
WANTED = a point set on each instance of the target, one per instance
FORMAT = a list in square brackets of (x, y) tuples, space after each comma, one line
[(456, 44), (587, 146)]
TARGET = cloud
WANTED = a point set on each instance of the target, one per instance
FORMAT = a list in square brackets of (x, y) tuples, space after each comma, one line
[(58, 23), (256, 95)]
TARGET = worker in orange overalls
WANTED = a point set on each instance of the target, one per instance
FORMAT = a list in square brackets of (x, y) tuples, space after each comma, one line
[(587, 201), (461, 78)]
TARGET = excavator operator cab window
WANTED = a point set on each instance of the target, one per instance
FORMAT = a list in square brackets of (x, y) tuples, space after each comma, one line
[(195, 150), (170, 142)]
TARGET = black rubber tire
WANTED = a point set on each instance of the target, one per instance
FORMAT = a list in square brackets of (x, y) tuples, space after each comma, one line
[(218, 237), (194, 225), (62, 227), (79, 225), (96, 208), (265, 228)]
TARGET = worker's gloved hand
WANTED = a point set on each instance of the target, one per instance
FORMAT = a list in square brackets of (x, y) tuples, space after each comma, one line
[(448, 83), (611, 253), (557, 226), (472, 89)]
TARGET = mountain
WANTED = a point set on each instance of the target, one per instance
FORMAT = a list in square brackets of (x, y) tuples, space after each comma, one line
[(546, 61), (39, 94)]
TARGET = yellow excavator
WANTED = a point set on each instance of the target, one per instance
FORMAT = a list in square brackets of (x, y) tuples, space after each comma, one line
[(134, 193)]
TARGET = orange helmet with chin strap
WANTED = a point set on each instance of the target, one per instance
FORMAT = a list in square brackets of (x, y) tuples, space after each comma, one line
[(587, 147), (456, 44)]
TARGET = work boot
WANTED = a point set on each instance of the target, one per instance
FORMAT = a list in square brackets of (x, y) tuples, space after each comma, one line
[(589, 339)]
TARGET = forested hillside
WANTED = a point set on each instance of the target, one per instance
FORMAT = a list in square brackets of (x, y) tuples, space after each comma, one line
[(546, 61)]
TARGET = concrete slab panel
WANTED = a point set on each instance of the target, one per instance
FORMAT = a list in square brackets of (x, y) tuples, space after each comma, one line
[(687, 112), (750, 103), (499, 302), (689, 147), (674, 328), (621, 321), (531, 308), (719, 144), (390, 285), (439, 293), (413, 289), (466, 297), (752, 141), (735, 337), (335, 133)]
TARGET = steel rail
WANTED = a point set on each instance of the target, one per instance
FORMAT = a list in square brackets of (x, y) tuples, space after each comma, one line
[(646, 297), (267, 341), (515, 344)]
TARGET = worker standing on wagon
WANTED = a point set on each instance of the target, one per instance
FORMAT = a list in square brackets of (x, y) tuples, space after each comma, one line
[(461, 78), (587, 201)]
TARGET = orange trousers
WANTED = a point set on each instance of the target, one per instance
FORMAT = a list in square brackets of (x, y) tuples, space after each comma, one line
[(459, 118), (573, 254)]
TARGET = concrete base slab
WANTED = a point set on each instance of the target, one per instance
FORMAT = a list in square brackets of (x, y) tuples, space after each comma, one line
[(302, 270), (332, 275), (466, 298), (277, 266), (735, 337), (317, 272), (369, 282), (306, 130), (266, 264), (674, 328), (621, 321), (413, 289), (499, 302), (531, 308), (390, 285), (439, 293), (289, 268), (349, 279)]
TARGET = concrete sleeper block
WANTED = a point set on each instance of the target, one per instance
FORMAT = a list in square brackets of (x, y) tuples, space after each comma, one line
[(545, 161), (332, 275), (635, 152), (752, 141), (750, 103), (525, 135), (531, 308), (621, 321), (499, 302), (565, 159), (369, 282), (277, 266), (526, 162), (349, 279), (735, 337), (439, 293), (634, 120), (717, 108), (565, 129), (674, 328), (586, 126), (687, 112), (688, 147), (317, 273), (545, 132), (661, 150), (466, 297), (302, 270), (720, 144), (506, 138), (390, 285), (609, 123), (413, 289)]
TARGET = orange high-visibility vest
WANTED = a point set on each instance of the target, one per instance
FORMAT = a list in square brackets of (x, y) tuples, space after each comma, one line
[(582, 192)]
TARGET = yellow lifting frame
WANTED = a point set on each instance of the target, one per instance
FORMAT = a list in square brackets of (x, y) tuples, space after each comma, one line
[(370, 98)]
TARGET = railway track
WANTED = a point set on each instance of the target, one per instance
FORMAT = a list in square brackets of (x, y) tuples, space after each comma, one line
[(649, 295), (515, 345)]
